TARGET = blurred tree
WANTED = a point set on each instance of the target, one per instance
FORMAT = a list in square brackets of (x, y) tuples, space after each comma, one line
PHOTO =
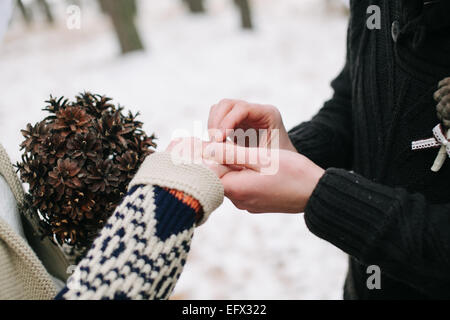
[(122, 13), (339, 6), (48, 12), (246, 17), (24, 11), (27, 12), (196, 6), (132, 7)]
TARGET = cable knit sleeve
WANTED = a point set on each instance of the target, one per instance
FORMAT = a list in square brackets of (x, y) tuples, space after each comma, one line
[(327, 138), (401, 232), (142, 249)]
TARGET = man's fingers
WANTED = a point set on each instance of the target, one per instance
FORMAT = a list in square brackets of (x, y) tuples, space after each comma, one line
[(216, 114), (211, 116), (232, 182), (233, 118)]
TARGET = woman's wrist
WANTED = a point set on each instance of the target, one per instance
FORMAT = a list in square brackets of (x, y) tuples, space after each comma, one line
[(192, 179)]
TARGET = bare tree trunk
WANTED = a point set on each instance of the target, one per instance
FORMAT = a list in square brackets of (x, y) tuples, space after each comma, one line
[(196, 6), (246, 17), (122, 13), (46, 8), (133, 7), (103, 6), (25, 12)]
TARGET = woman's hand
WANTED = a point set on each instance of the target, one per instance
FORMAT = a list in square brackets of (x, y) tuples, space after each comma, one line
[(237, 114), (190, 150), (250, 188)]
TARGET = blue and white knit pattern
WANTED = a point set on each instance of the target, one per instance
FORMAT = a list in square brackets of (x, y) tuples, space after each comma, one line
[(141, 251)]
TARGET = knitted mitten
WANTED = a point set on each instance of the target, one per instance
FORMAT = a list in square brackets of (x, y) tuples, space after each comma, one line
[(141, 251)]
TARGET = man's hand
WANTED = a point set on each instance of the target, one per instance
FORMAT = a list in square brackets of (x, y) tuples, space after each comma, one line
[(237, 114), (287, 190)]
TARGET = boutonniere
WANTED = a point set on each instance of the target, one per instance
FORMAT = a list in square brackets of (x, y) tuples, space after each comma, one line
[(78, 162), (441, 132)]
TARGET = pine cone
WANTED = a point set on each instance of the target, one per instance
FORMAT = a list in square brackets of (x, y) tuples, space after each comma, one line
[(78, 162), (442, 96)]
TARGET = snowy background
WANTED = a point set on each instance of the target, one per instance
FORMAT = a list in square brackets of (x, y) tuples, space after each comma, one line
[(190, 63)]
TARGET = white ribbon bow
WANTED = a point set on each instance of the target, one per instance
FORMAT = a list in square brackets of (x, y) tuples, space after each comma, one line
[(441, 140)]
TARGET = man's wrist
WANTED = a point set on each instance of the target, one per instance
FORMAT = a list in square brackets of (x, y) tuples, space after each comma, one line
[(315, 175), (308, 177), (286, 143)]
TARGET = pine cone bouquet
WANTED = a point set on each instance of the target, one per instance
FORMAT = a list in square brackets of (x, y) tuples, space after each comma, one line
[(78, 162), (442, 97)]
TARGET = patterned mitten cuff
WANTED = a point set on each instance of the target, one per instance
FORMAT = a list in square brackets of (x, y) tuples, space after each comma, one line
[(141, 251), (192, 179)]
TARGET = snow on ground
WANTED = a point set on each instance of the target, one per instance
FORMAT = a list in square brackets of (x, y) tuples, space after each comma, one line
[(191, 62)]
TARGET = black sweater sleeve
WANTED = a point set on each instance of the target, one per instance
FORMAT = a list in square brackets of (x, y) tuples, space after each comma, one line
[(327, 138), (402, 233)]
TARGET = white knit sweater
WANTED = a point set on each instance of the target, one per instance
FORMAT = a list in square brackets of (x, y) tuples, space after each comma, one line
[(8, 208)]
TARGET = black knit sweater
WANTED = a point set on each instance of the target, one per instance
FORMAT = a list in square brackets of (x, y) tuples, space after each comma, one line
[(390, 210)]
